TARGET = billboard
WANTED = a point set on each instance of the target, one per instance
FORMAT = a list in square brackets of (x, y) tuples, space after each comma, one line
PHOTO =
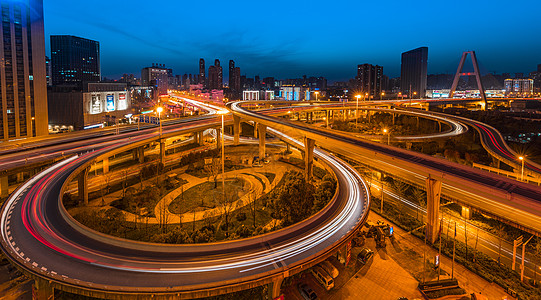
[(95, 105), (122, 103), (110, 102)]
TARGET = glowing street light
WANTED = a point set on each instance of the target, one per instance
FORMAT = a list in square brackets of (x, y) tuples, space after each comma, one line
[(159, 110), (522, 173), (388, 132), (357, 110), (223, 112), (317, 93), (381, 95)]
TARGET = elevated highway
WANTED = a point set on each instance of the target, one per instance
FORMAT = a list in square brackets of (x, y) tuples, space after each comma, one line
[(41, 239), (511, 201)]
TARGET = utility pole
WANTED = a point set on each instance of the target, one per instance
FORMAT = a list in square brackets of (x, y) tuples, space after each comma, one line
[(517, 242), (523, 257)]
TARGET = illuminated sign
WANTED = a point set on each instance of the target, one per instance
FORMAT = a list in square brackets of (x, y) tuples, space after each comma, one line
[(95, 104), (122, 103), (110, 102)]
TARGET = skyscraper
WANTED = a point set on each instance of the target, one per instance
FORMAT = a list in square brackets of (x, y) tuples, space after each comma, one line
[(369, 80), (23, 101), (234, 80), (74, 60), (215, 76), (413, 72), (539, 68), (202, 77), (157, 75)]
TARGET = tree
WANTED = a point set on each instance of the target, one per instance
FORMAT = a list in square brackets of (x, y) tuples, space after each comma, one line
[(501, 235), (324, 193), (295, 199), (226, 207), (400, 189), (418, 196)]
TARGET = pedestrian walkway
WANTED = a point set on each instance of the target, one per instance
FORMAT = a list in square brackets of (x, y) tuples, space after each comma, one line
[(408, 251)]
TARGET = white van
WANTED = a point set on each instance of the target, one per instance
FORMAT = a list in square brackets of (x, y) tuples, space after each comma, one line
[(329, 268), (323, 278)]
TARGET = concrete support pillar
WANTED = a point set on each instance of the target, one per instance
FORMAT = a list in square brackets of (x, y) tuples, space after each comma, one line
[(262, 131), (274, 288), (466, 213), (200, 138), (42, 290), (134, 154), (236, 130), (4, 186), (162, 152), (308, 158), (20, 177), (433, 193), (327, 115), (439, 125), (394, 118), (218, 138), (417, 122), (105, 165), (83, 186), (141, 154), (255, 130)]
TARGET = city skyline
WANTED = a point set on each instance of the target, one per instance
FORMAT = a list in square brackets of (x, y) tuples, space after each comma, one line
[(294, 42)]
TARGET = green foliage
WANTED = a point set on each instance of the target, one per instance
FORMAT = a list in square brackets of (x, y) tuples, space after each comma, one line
[(295, 199)]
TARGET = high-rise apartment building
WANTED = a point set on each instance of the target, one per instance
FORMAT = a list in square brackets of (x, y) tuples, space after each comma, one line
[(202, 76), (519, 87), (157, 75), (23, 86), (215, 81), (369, 80), (414, 72), (234, 80), (74, 60)]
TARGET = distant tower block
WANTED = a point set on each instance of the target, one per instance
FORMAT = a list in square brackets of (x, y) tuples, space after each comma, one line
[(476, 73)]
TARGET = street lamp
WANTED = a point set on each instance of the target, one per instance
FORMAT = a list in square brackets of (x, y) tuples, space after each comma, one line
[(522, 173), (159, 110), (388, 132), (381, 96), (223, 113), (357, 110), (317, 93)]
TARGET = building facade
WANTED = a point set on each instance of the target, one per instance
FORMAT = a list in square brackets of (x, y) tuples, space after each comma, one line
[(215, 81), (202, 76), (23, 86), (518, 87), (158, 76), (234, 80), (74, 60), (369, 80), (413, 74)]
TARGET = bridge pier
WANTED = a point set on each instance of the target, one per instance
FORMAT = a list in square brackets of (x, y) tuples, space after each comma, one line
[(141, 154), (433, 193), (236, 130), (105, 165), (20, 177), (255, 130), (394, 118), (274, 288), (162, 151), (327, 118), (42, 290), (134, 154), (262, 131), (308, 158), (466, 213), (4, 186), (82, 188)]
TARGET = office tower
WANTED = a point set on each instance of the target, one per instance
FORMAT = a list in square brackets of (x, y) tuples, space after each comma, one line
[(369, 80), (539, 68), (157, 75), (215, 81), (48, 71), (202, 76), (414, 72), (74, 60), (234, 79), (23, 85)]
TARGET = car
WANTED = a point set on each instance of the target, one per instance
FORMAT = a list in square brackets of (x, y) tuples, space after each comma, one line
[(329, 268), (365, 255), (306, 291)]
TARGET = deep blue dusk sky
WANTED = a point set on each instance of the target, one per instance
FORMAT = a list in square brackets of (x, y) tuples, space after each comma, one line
[(288, 39)]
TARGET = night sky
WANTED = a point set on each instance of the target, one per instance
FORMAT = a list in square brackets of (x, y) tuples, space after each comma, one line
[(288, 39)]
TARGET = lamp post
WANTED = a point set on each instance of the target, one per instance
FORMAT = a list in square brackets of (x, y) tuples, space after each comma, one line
[(357, 110), (222, 113), (381, 95), (388, 132), (317, 93), (159, 110), (522, 172)]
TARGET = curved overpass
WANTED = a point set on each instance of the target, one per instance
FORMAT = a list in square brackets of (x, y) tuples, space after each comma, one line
[(514, 202), (40, 238)]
